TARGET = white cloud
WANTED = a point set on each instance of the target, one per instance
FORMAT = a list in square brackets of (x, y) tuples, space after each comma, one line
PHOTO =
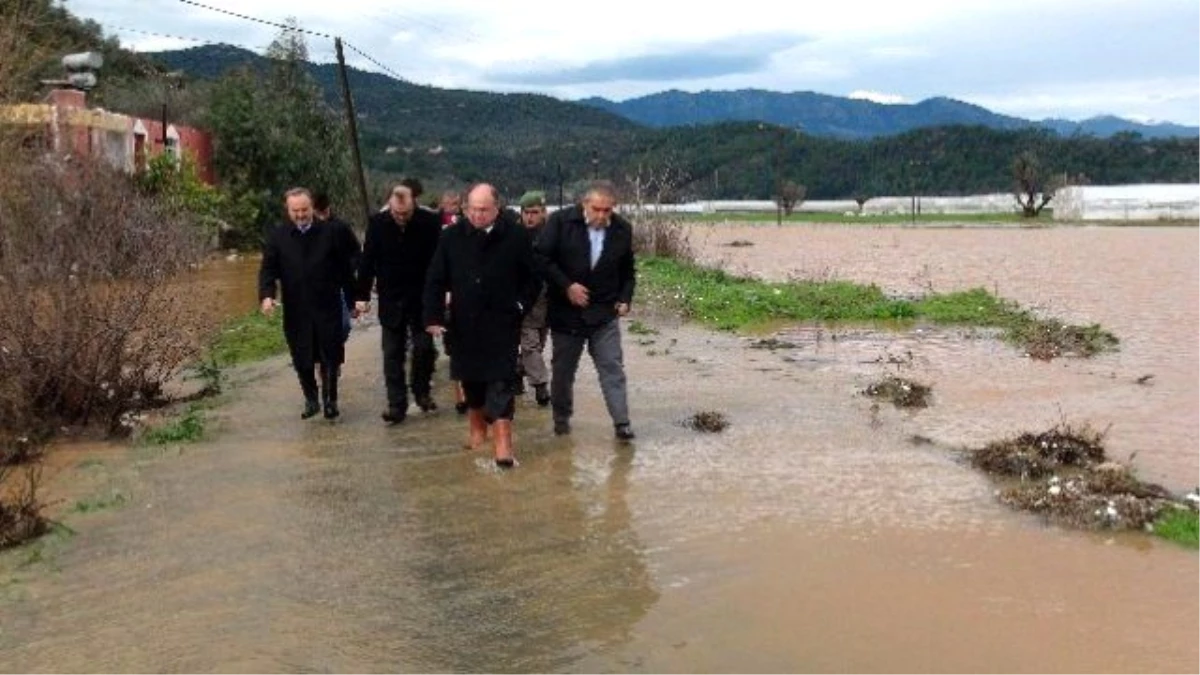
[(877, 97), (983, 51)]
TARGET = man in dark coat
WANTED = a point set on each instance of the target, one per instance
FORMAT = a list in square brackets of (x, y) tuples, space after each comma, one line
[(485, 261), (323, 211), (398, 248), (585, 254), (313, 261)]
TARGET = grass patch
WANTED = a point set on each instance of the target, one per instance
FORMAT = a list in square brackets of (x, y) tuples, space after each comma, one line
[(102, 503), (840, 217), (188, 428), (1179, 525), (730, 302), (250, 337), (638, 328)]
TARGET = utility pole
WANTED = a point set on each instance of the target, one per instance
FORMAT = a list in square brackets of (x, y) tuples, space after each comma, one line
[(352, 127), (560, 184), (779, 179)]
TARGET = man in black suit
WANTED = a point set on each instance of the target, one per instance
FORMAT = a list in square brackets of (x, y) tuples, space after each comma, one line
[(313, 262), (585, 254), (398, 247), (323, 211)]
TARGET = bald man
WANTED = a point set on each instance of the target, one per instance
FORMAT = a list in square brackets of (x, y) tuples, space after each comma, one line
[(485, 262)]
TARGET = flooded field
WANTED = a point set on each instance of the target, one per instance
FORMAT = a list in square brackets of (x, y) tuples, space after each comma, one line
[(810, 535)]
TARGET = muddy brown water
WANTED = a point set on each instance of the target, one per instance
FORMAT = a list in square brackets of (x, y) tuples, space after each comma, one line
[(811, 535)]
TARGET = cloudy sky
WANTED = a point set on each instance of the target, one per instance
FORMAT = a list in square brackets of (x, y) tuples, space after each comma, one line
[(1031, 58)]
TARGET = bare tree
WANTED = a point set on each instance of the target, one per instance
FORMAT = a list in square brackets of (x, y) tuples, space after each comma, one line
[(656, 230), (1033, 188), (791, 195)]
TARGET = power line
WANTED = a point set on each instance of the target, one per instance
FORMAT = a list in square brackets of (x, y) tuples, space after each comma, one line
[(284, 26), (379, 65), (126, 29)]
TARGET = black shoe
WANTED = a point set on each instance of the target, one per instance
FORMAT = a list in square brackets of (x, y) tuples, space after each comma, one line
[(394, 415), (506, 463), (461, 407), (426, 403), (331, 410), (541, 394), (561, 427), (624, 432), (311, 407)]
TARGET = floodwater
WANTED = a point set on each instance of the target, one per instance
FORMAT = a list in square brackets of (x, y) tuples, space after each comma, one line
[(811, 535)]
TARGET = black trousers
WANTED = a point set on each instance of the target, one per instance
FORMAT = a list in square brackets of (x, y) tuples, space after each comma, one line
[(396, 341), (308, 380), (496, 399)]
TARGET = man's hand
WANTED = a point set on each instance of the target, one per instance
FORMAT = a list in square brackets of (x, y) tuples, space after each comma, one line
[(268, 306), (578, 295), (622, 308), (435, 330)]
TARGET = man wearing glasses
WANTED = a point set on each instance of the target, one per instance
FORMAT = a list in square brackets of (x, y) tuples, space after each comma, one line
[(586, 257), (396, 252)]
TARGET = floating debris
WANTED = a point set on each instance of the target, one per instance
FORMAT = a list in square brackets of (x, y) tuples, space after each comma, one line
[(1063, 475), (1031, 456), (900, 392), (740, 243), (773, 344), (1107, 496), (709, 421)]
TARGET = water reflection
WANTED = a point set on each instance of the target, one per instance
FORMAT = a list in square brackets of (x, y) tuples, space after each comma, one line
[(467, 569)]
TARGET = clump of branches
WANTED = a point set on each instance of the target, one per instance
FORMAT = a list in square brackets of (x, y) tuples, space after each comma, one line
[(658, 231), (21, 516), (96, 311)]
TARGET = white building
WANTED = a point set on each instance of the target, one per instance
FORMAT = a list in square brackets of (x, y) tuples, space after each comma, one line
[(1128, 202)]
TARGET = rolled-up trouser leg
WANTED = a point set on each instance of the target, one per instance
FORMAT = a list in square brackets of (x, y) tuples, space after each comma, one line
[(495, 398)]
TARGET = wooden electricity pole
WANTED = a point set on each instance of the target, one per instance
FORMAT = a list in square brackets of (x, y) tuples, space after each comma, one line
[(352, 127)]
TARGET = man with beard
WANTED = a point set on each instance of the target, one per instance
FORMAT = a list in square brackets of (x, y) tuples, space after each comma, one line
[(485, 262), (586, 256), (313, 262)]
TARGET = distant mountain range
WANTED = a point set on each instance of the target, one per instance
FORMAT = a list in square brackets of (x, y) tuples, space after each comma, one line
[(838, 117), (453, 137), (388, 103)]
